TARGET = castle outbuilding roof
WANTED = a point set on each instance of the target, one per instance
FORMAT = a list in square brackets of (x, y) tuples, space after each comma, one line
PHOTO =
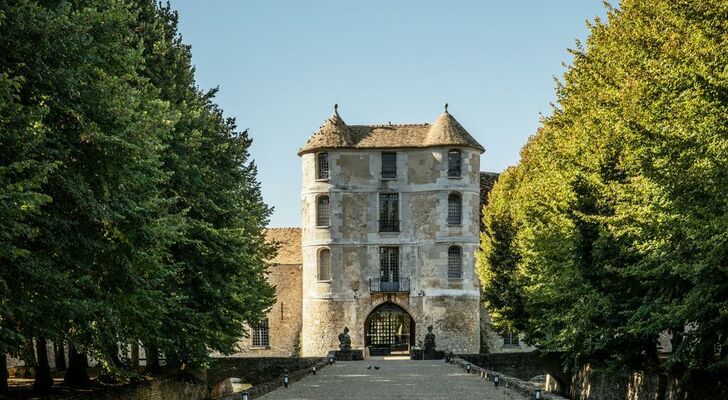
[(289, 241), (335, 134)]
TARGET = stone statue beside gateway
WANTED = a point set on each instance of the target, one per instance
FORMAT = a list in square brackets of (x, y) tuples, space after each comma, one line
[(345, 352)]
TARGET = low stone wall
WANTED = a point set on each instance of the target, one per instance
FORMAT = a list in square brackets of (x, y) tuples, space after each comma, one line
[(157, 389), (522, 365), (266, 387), (257, 370), (593, 383), (523, 387)]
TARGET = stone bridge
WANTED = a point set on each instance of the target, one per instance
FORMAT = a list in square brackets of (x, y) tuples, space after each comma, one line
[(379, 378), (394, 379)]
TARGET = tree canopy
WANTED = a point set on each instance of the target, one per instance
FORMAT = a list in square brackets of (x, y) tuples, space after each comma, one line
[(129, 207), (612, 229)]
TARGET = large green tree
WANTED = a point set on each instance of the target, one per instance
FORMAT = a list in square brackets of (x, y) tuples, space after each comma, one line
[(222, 255), (613, 224), (129, 207)]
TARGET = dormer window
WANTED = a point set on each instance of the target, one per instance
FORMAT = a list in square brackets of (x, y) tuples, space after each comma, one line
[(389, 165), (454, 164), (322, 166)]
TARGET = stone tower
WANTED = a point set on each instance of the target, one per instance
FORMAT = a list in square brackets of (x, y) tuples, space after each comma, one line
[(389, 232)]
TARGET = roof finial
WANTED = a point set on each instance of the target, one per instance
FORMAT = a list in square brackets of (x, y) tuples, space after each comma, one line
[(336, 108), (445, 107)]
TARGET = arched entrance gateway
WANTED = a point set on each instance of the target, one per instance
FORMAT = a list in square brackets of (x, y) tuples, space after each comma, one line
[(389, 329)]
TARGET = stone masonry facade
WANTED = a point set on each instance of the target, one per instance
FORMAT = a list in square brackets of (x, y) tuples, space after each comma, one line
[(329, 273)]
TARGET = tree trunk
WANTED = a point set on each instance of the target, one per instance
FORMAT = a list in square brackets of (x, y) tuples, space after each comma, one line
[(152, 357), (29, 358), (135, 356), (76, 374), (60, 356), (3, 373), (43, 379)]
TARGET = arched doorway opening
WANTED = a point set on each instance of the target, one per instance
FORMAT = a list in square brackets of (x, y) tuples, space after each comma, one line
[(389, 329)]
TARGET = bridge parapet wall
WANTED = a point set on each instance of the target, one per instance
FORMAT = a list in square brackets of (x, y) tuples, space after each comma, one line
[(258, 370), (521, 386), (522, 365)]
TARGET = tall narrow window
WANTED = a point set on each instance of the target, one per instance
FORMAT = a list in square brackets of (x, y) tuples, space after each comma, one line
[(389, 165), (454, 209), (454, 163), (324, 265), (261, 334), (322, 166), (323, 211), (389, 264), (454, 262), (388, 212)]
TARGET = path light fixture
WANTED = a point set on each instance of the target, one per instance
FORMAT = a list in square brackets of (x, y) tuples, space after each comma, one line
[(331, 360), (538, 394), (496, 380), (245, 395), (313, 369), (285, 380), (467, 367)]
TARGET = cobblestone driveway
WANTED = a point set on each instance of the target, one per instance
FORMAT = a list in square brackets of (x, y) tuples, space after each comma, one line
[(395, 379)]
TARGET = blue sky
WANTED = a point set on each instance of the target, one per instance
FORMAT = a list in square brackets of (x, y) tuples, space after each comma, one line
[(281, 65)]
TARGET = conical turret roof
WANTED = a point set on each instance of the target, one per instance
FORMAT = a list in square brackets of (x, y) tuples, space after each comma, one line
[(332, 134), (447, 131)]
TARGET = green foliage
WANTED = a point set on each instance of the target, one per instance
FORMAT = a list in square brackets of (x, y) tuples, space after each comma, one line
[(129, 208), (612, 228)]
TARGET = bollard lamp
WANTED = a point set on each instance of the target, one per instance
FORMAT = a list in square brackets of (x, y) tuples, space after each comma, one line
[(313, 369), (538, 394), (496, 380), (331, 360), (467, 367), (245, 395), (285, 380)]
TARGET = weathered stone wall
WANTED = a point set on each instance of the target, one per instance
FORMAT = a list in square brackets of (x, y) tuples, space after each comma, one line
[(284, 318), (524, 387), (492, 342), (256, 370), (450, 305), (592, 383), (157, 389), (295, 373), (454, 320), (522, 365)]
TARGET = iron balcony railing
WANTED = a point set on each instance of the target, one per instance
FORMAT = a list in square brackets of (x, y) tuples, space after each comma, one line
[(388, 225), (379, 285)]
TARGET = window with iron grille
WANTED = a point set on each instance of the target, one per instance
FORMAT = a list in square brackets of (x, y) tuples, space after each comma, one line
[(322, 166), (260, 334), (454, 262), (323, 211), (389, 264), (454, 209), (510, 339), (454, 163), (389, 165), (324, 265), (388, 212)]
